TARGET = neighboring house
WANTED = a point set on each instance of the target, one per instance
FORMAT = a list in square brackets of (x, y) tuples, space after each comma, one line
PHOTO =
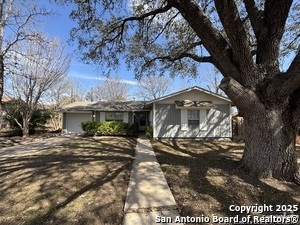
[(190, 113)]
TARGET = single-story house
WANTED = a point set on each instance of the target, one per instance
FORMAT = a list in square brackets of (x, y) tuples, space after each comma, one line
[(190, 113)]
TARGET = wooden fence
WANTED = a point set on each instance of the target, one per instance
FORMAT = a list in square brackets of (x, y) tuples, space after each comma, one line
[(238, 130)]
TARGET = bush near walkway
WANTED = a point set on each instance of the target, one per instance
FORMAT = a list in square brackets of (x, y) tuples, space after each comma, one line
[(81, 182)]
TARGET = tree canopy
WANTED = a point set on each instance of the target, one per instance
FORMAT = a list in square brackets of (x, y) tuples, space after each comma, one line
[(112, 89), (153, 87), (159, 36)]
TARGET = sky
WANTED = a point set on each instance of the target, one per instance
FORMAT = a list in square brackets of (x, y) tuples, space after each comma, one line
[(90, 75)]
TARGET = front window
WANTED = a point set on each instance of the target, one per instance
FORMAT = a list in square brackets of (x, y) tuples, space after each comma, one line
[(193, 118), (114, 116)]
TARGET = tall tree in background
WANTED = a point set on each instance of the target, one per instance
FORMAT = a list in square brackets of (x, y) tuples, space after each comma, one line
[(153, 87), (34, 68), (112, 89), (18, 19), (59, 94), (244, 40), (213, 80)]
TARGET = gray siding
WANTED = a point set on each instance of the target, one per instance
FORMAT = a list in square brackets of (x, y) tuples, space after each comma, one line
[(97, 117), (130, 117), (64, 121), (168, 123), (167, 120), (219, 122)]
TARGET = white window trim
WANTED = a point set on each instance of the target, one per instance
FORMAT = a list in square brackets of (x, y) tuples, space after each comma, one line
[(202, 119), (196, 111)]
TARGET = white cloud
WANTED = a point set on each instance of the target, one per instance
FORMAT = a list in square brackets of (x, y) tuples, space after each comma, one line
[(78, 75)]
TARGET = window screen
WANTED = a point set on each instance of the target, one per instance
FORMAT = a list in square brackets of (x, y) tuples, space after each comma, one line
[(193, 118), (114, 116)]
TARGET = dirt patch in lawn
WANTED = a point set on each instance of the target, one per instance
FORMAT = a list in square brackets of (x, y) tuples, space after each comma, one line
[(83, 181), (205, 179)]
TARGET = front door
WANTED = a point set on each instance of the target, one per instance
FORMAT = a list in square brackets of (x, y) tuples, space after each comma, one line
[(142, 121)]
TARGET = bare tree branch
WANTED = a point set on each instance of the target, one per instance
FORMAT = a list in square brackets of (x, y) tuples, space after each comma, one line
[(153, 87), (165, 27), (20, 17), (207, 59), (119, 26), (30, 77), (112, 89)]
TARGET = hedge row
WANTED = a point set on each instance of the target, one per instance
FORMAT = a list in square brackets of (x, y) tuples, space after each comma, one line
[(115, 128)]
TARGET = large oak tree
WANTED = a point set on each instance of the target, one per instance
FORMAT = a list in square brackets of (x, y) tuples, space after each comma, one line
[(244, 39)]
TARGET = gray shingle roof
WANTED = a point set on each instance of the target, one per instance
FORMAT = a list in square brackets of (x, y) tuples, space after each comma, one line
[(76, 106), (118, 106), (106, 106)]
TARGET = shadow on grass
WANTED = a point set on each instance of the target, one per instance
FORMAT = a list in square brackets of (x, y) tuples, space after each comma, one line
[(213, 180), (94, 185), (86, 178)]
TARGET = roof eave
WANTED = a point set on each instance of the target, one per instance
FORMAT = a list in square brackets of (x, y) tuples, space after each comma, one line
[(188, 90)]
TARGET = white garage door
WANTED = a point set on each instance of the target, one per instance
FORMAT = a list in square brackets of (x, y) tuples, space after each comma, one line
[(74, 120)]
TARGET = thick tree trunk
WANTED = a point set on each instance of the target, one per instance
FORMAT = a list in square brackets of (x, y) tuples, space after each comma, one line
[(271, 126), (25, 128), (270, 145)]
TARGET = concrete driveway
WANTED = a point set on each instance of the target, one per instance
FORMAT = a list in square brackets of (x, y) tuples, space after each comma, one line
[(34, 147)]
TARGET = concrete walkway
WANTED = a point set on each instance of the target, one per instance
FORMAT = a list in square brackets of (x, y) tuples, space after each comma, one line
[(149, 199)]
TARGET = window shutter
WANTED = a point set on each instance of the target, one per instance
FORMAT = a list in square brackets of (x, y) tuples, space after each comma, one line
[(184, 119), (203, 119), (126, 117), (102, 116)]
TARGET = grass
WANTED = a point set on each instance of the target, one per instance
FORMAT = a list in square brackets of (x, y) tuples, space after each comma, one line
[(83, 181), (205, 179)]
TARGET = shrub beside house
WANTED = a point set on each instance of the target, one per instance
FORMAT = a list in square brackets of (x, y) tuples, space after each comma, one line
[(113, 128)]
